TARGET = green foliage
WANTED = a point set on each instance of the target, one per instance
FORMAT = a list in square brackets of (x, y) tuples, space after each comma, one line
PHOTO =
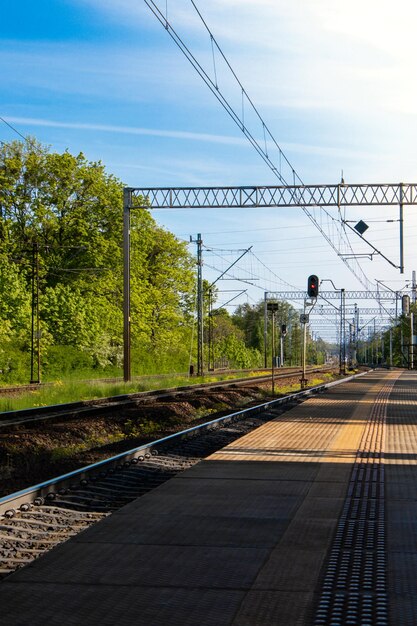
[(71, 210), (251, 320), (63, 361), (14, 362), (229, 342), (61, 220)]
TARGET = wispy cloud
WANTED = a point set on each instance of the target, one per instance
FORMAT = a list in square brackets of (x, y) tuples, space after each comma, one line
[(318, 150), (129, 130)]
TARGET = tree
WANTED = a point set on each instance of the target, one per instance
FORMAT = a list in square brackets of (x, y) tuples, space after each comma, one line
[(72, 210), (251, 319)]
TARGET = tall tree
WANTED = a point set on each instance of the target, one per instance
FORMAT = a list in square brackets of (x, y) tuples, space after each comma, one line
[(71, 210)]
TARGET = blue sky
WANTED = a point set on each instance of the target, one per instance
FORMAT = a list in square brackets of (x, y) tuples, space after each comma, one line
[(333, 81)]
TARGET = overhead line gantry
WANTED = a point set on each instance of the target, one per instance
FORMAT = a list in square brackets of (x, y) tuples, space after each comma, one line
[(258, 197)]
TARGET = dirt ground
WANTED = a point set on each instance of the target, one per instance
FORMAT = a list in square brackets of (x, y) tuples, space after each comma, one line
[(33, 454)]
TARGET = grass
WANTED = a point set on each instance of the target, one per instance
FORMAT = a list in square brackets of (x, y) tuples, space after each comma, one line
[(285, 389), (62, 392)]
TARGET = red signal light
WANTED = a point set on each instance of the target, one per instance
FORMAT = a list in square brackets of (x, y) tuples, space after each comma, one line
[(313, 286)]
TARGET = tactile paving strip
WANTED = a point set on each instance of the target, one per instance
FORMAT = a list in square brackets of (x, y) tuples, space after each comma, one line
[(354, 586)]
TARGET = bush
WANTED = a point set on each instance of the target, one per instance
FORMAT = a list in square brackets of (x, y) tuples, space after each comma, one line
[(62, 361), (14, 365)]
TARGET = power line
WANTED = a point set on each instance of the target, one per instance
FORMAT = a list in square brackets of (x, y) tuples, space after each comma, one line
[(13, 129), (239, 119)]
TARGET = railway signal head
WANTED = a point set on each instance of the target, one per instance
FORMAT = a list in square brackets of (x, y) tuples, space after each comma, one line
[(313, 286), (283, 329)]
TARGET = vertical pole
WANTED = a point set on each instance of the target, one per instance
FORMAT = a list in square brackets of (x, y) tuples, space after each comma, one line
[(126, 284), (341, 334), (390, 347), (401, 229), (402, 346), (38, 321), (411, 340), (273, 353), (32, 341), (344, 330), (357, 332), (210, 333), (265, 329), (35, 343), (282, 350), (303, 379), (413, 287), (200, 367), (372, 347)]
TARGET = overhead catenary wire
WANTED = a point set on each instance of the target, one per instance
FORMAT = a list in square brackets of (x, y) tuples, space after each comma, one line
[(13, 129), (332, 224)]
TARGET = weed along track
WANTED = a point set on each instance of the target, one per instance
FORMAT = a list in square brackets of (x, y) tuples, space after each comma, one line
[(35, 519)]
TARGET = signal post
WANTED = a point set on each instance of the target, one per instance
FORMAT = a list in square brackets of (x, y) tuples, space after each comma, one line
[(312, 292)]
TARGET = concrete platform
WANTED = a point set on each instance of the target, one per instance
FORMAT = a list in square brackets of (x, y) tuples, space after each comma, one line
[(244, 537)]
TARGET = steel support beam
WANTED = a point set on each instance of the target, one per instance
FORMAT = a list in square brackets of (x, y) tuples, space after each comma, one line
[(288, 196), (274, 196), (335, 295)]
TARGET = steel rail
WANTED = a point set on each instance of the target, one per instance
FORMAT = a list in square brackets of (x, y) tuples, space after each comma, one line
[(39, 414), (119, 379), (47, 490)]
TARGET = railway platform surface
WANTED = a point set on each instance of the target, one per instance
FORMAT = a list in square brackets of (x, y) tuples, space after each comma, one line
[(309, 520)]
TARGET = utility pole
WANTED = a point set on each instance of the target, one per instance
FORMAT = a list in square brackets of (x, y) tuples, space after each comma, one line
[(356, 333), (199, 242), (402, 346), (36, 330), (273, 307), (127, 196), (210, 365), (281, 360), (342, 333), (390, 347), (265, 329), (401, 221), (273, 352)]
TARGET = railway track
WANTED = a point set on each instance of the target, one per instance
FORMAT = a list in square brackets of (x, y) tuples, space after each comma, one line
[(102, 405), (34, 520), (36, 386)]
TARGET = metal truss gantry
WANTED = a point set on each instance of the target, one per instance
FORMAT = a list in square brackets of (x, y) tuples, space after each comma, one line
[(270, 196), (335, 295), (322, 311), (330, 319)]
